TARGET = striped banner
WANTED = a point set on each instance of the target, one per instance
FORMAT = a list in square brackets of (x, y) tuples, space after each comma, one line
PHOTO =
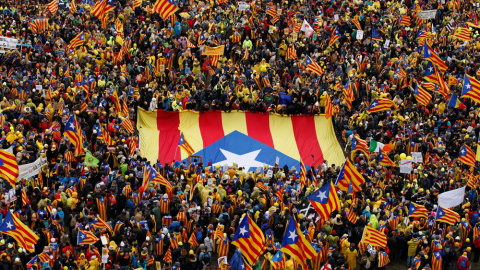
[(298, 137)]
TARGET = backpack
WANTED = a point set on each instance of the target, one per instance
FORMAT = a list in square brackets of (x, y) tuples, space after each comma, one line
[(462, 265), (205, 257)]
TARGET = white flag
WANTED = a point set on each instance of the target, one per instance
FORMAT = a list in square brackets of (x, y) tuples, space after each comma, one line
[(451, 198), (307, 28)]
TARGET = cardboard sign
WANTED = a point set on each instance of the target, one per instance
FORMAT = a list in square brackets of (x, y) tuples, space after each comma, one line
[(359, 34), (294, 35), (335, 17), (270, 173), (406, 166), (417, 157), (57, 105), (158, 266), (277, 161), (38, 87)]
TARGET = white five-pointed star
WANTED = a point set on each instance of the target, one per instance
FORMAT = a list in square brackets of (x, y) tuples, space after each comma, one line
[(72, 126), (9, 225), (321, 195), (374, 104), (430, 69), (82, 236), (243, 231), (292, 236), (246, 160), (413, 209), (463, 151), (468, 86)]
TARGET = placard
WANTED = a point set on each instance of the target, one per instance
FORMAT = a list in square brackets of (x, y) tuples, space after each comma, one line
[(158, 266), (359, 34), (38, 87), (335, 17), (225, 167), (427, 14), (104, 258), (57, 105), (8, 43), (417, 157), (277, 161), (270, 173), (222, 259), (294, 35), (406, 166), (242, 6), (104, 240), (387, 43), (10, 196)]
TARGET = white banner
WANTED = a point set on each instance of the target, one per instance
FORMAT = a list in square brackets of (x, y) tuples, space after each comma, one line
[(427, 14), (31, 169), (451, 198)]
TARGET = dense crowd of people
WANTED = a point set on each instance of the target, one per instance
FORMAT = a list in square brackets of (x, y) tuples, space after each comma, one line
[(135, 58)]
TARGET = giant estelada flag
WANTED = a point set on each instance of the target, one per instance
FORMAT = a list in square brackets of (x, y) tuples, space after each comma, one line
[(250, 140)]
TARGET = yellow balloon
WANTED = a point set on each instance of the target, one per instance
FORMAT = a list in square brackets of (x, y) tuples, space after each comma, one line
[(409, 157), (403, 156)]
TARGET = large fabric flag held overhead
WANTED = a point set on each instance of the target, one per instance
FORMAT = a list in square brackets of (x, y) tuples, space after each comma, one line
[(251, 140)]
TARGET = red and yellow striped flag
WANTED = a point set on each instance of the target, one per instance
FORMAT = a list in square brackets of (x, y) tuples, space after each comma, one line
[(137, 3), (53, 6), (8, 167), (374, 238)]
